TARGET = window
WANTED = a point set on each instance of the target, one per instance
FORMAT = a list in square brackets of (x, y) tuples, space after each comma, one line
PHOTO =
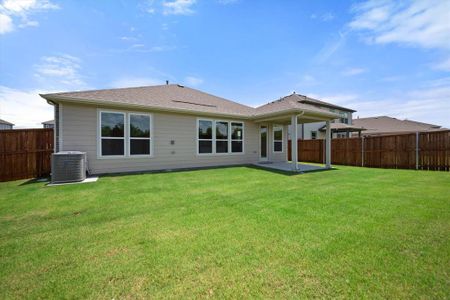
[(313, 135), (112, 134), (205, 136), (139, 131), (237, 137), (220, 137), (277, 138), (123, 134), (344, 117)]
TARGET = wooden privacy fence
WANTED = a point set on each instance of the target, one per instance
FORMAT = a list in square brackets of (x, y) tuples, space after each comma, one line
[(422, 150), (25, 153)]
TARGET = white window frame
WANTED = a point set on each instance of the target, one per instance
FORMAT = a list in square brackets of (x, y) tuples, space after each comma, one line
[(150, 139), (235, 140), (221, 140), (100, 137), (214, 139), (126, 137), (276, 127)]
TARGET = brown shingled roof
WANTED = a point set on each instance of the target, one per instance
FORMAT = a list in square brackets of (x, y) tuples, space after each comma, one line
[(291, 102), (174, 97), (386, 125)]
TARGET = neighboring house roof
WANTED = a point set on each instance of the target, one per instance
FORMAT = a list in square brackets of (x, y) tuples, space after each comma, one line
[(385, 125), (49, 122), (178, 98), (313, 101), (337, 127), (6, 122)]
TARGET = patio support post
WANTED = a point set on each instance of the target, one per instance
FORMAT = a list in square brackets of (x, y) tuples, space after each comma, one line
[(328, 146), (294, 143)]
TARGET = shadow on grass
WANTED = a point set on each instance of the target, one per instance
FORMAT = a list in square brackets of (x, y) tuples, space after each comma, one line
[(35, 180), (181, 170)]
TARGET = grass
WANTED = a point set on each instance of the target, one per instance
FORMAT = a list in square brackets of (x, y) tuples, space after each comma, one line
[(229, 233)]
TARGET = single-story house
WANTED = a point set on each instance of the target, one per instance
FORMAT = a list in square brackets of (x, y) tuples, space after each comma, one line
[(384, 125), (48, 124), (5, 125), (172, 126)]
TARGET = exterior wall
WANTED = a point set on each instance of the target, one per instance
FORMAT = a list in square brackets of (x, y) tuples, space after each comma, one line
[(277, 156), (78, 124), (5, 127), (57, 130)]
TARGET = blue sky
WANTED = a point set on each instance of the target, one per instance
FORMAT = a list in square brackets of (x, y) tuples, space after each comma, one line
[(377, 57)]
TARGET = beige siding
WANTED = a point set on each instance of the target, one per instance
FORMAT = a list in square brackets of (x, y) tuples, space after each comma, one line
[(79, 132), (277, 156)]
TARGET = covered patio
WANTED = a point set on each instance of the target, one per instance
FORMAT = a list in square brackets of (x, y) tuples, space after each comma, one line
[(291, 111)]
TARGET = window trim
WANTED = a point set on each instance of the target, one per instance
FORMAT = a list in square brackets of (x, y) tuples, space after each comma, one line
[(100, 137), (129, 137), (212, 139), (229, 140), (275, 126), (315, 133), (235, 140), (126, 135)]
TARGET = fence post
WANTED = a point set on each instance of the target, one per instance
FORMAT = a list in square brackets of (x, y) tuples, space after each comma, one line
[(362, 151), (417, 150)]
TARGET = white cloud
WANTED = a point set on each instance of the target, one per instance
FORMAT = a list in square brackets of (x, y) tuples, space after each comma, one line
[(416, 23), (24, 108), (20, 11), (193, 81), (428, 103), (330, 48), (353, 71), (326, 17), (443, 65), (178, 7), (60, 70), (135, 81), (6, 24)]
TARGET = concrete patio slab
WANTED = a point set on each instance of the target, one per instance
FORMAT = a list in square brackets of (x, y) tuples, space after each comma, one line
[(288, 167)]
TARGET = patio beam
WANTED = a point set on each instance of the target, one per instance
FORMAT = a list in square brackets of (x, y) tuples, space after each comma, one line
[(294, 143), (328, 145)]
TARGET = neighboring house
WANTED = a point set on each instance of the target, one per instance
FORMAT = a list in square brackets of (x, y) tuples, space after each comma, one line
[(48, 124), (4, 125), (384, 125), (172, 127), (316, 130)]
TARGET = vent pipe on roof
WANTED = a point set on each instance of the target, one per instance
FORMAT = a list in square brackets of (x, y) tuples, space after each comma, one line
[(167, 82)]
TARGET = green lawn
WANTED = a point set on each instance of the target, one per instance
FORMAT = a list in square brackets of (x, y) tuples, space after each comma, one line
[(232, 232)]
